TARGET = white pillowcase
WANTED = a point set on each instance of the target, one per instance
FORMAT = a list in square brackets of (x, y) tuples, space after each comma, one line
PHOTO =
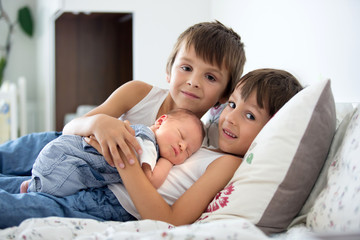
[(344, 112), (282, 164), (338, 206)]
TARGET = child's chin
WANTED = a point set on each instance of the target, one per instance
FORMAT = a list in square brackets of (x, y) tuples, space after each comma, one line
[(231, 149)]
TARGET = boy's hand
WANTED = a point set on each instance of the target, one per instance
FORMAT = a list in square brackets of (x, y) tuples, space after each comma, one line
[(94, 143), (114, 139)]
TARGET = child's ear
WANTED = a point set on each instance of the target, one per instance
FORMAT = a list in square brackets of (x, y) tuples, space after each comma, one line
[(160, 120), (168, 77)]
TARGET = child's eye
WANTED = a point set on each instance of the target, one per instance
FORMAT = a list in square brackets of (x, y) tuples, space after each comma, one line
[(250, 116), (232, 104), (211, 78), (186, 68), (180, 134)]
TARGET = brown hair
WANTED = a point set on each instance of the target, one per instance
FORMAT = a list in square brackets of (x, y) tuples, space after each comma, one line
[(181, 113), (273, 87), (214, 43)]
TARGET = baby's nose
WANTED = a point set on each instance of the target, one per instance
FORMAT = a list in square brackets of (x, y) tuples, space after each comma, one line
[(183, 146)]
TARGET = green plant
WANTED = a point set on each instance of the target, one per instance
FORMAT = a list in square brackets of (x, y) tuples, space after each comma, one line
[(25, 20)]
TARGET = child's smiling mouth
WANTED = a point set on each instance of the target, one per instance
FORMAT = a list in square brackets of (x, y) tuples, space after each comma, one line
[(229, 134)]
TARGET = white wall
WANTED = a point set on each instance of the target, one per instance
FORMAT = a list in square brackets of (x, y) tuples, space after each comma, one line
[(313, 39), (156, 26)]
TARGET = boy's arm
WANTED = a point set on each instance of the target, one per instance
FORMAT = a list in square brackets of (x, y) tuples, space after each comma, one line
[(160, 172), (147, 170), (191, 204), (102, 122)]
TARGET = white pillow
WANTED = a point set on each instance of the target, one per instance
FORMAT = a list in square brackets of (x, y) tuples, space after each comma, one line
[(343, 121), (282, 164), (338, 206)]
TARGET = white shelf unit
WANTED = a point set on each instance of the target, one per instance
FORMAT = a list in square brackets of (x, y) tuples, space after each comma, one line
[(14, 95)]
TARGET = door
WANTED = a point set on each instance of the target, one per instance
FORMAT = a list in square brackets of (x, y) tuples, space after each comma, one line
[(93, 57)]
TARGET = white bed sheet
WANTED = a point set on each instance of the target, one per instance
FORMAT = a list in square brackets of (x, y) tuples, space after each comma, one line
[(72, 228)]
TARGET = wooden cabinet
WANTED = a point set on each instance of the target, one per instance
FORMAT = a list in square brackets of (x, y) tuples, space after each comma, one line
[(93, 57)]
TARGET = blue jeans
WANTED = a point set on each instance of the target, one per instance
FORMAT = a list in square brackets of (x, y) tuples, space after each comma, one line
[(17, 158), (67, 165), (95, 203)]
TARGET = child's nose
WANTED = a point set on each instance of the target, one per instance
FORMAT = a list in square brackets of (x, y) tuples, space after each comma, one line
[(193, 81), (231, 117)]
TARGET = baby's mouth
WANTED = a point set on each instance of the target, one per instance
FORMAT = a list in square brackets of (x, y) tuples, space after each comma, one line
[(175, 151)]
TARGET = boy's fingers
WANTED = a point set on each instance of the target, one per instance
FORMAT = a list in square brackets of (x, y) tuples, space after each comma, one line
[(132, 141), (116, 156), (129, 128), (95, 144), (108, 158), (136, 146), (124, 148)]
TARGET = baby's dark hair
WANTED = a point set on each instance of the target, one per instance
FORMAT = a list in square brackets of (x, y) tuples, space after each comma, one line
[(216, 44), (273, 87), (181, 113)]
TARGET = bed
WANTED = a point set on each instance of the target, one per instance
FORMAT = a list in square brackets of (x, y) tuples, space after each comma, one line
[(300, 179)]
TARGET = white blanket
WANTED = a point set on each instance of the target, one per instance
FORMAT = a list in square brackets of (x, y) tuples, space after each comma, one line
[(73, 228)]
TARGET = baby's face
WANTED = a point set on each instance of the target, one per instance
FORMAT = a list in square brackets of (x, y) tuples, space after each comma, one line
[(178, 139), (240, 122)]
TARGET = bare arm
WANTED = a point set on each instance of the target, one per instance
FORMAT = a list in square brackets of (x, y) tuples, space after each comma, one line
[(147, 170), (160, 172), (102, 122), (191, 204)]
